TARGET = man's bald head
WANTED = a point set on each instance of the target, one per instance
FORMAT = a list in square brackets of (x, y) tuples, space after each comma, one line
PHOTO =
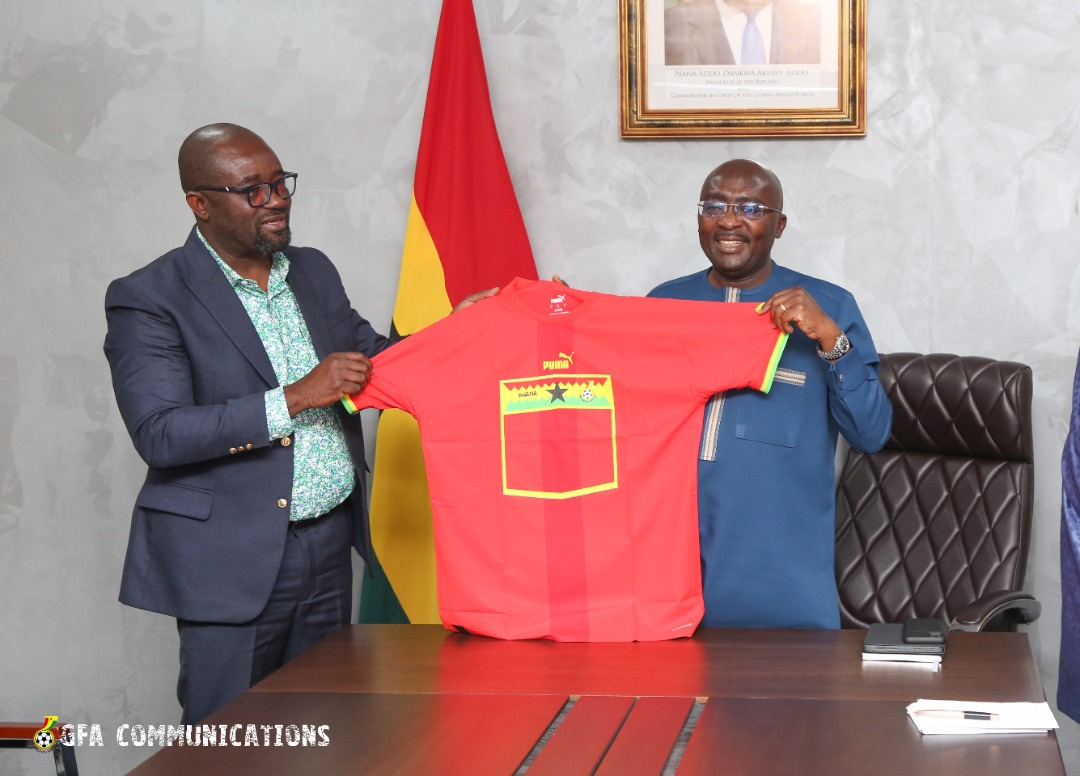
[(748, 169), (199, 159), (220, 166)]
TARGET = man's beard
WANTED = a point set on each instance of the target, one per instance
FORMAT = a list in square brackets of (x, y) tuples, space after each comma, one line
[(271, 243)]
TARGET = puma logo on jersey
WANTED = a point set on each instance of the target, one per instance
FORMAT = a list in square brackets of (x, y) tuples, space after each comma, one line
[(564, 361)]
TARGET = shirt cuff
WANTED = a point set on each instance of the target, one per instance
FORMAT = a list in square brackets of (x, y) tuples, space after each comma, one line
[(850, 370), (278, 423)]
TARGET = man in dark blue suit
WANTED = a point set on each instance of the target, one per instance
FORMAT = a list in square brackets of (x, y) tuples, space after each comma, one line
[(228, 357)]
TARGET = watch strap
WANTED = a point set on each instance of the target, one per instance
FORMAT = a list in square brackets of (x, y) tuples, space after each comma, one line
[(842, 346)]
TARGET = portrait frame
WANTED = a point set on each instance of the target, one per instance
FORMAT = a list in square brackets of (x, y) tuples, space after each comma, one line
[(688, 98)]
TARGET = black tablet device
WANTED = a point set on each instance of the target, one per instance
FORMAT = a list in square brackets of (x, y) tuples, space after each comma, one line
[(888, 638), (925, 630)]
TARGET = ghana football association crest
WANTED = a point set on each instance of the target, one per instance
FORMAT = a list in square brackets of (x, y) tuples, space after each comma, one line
[(51, 731)]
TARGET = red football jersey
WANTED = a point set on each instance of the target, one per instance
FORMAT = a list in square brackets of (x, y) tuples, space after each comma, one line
[(560, 432)]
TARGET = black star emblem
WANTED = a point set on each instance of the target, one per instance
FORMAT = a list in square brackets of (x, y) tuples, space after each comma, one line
[(557, 393)]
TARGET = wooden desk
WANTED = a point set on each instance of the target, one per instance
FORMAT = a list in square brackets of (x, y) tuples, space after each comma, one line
[(415, 699)]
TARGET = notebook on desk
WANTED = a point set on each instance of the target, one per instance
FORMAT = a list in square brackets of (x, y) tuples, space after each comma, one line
[(952, 717)]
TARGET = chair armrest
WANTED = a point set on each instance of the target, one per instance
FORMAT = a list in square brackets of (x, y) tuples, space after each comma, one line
[(1016, 605)]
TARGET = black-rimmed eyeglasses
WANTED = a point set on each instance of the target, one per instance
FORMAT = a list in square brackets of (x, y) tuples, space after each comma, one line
[(259, 194), (712, 208)]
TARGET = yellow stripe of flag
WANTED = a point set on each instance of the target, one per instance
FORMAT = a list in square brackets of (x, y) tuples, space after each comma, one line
[(465, 233)]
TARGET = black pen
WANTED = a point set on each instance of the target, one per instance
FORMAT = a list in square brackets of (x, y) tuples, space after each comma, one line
[(956, 714)]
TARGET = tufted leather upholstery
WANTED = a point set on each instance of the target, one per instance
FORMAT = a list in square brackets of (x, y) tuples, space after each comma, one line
[(938, 523)]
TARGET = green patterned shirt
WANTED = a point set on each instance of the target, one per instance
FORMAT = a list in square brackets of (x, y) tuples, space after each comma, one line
[(322, 467)]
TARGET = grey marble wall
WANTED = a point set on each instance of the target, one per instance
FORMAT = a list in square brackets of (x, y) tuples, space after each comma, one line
[(954, 222)]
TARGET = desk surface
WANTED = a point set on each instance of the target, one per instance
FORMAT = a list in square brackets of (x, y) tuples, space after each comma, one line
[(414, 699)]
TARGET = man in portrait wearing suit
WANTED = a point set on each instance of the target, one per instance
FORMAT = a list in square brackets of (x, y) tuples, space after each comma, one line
[(229, 356), (742, 32)]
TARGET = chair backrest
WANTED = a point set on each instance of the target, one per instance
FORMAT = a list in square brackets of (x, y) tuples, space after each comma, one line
[(942, 515)]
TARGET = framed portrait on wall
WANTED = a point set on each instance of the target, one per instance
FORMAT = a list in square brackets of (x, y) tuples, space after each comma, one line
[(742, 68)]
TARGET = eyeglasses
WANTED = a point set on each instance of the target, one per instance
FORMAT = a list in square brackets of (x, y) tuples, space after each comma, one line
[(714, 209), (259, 194)]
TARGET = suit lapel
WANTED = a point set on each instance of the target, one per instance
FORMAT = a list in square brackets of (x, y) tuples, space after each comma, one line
[(708, 36), (209, 284), (307, 296)]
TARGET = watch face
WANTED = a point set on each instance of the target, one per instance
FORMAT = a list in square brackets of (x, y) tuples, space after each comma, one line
[(841, 347)]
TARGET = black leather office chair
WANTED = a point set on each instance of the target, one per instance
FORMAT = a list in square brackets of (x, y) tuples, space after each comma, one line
[(938, 523)]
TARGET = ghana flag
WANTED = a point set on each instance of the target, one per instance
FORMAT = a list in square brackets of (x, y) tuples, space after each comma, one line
[(465, 233)]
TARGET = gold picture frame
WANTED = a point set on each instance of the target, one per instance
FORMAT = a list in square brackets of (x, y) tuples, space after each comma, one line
[(702, 92)]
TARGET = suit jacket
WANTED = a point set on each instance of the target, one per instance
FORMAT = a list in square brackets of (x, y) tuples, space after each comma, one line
[(190, 373), (694, 34)]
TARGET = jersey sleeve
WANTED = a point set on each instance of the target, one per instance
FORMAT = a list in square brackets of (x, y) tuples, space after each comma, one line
[(384, 391), (730, 346), (399, 373)]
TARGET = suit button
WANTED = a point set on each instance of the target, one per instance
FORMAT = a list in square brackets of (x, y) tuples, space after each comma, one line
[(249, 446), (286, 441), (232, 451), (283, 502)]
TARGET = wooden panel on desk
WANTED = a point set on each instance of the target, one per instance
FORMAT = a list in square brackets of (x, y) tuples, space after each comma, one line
[(768, 737), (579, 743), (648, 736), (716, 662), (407, 735)]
